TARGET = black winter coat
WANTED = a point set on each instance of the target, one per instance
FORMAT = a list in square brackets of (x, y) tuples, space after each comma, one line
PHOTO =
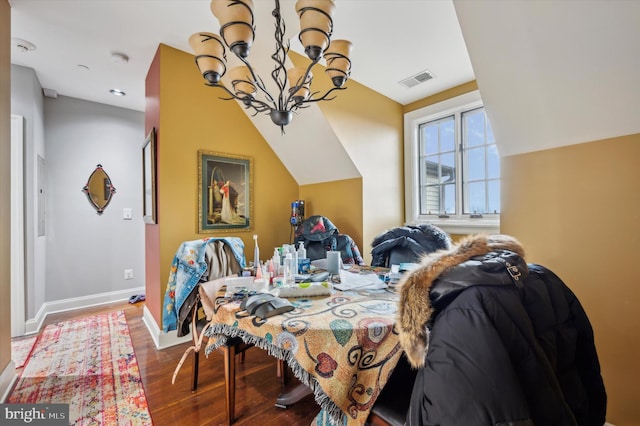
[(509, 343), (417, 239)]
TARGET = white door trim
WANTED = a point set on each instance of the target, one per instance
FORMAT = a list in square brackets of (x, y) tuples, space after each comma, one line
[(17, 226)]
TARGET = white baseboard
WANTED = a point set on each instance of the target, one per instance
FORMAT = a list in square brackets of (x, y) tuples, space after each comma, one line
[(161, 339), (7, 379), (33, 325)]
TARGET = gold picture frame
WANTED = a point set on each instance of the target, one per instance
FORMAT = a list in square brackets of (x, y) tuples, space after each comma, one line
[(225, 192), (149, 178)]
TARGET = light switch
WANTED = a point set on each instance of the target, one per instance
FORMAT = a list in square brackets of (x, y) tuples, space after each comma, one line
[(127, 214)]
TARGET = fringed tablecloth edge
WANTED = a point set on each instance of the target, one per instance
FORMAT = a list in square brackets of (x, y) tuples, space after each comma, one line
[(221, 332)]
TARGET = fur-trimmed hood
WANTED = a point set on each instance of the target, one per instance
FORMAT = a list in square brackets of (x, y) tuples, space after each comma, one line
[(478, 259)]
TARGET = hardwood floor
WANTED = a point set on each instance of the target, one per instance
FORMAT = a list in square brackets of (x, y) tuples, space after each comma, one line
[(257, 386)]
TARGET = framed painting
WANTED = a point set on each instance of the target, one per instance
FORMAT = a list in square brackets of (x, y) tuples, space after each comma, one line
[(149, 178), (225, 192)]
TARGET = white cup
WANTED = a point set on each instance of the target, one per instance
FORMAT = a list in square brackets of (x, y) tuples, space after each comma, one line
[(333, 262), (261, 285)]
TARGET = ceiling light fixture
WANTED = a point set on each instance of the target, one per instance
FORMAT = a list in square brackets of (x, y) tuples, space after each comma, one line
[(237, 33), (117, 92), (23, 45), (119, 57)]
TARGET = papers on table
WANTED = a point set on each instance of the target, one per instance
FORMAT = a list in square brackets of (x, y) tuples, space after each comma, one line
[(303, 290), (397, 271), (359, 281)]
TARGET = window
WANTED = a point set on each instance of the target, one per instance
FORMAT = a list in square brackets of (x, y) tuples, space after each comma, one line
[(453, 166)]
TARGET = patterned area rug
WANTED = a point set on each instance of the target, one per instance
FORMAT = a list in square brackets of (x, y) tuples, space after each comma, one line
[(89, 364), (21, 349)]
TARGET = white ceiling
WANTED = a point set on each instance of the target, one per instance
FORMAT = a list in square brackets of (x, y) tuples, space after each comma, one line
[(555, 73), (393, 40), (551, 73)]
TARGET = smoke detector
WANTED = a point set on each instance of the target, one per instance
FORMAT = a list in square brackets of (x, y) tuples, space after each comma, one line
[(23, 45), (416, 79)]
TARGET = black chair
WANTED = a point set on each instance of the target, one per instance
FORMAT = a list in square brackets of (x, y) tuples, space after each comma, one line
[(319, 235), (392, 404), (406, 244)]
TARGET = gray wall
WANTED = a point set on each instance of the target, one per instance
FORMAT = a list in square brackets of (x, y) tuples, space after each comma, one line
[(27, 100), (87, 253), (81, 253)]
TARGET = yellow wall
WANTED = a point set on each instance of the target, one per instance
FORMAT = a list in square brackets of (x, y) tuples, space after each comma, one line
[(192, 118), (340, 201), (370, 127), (5, 188), (576, 209)]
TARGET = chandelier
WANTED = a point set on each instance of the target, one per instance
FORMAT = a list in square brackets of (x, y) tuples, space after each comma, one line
[(237, 32)]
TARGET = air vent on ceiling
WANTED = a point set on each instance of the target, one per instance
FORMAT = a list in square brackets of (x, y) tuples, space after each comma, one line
[(416, 79)]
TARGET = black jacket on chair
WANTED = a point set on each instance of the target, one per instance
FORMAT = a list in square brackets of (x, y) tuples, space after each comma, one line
[(319, 235), (408, 244), (497, 341)]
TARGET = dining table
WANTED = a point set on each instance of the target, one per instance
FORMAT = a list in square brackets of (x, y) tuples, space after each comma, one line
[(343, 345)]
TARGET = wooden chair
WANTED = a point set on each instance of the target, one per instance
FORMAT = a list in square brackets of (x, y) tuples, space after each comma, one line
[(233, 347)]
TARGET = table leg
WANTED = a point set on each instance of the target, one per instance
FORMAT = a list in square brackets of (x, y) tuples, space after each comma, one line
[(230, 380), (194, 378), (282, 372)]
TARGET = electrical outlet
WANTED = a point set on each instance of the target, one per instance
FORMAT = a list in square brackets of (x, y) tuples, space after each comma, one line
[(128, 274)]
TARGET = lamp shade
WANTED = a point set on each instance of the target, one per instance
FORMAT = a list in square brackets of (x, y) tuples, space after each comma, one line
[(210, 55), (338, 63), (236, 24), (296, 76), (316, 25), (242, 82)]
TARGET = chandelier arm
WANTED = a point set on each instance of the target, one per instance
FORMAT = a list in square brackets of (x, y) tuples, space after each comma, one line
[(302, 81), (220, 86), (280, 56), (276, 76), (262, 105), (257, 81), (248, 101), (293, 84), (323, 97)]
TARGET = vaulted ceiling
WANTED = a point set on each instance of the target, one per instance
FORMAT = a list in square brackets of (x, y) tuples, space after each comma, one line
[(551, 73), (393, 40)]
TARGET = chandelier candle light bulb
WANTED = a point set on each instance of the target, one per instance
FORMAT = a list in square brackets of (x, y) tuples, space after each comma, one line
[(242, 83), (237, 33)]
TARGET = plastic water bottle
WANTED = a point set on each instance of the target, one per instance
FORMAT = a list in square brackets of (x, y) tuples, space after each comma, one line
[(289, 270), (302, 254)]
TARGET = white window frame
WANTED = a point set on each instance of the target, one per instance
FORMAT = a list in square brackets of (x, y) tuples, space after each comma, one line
[(455, 224)]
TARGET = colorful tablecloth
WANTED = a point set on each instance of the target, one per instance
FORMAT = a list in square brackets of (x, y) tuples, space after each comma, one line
[(344, 346)]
